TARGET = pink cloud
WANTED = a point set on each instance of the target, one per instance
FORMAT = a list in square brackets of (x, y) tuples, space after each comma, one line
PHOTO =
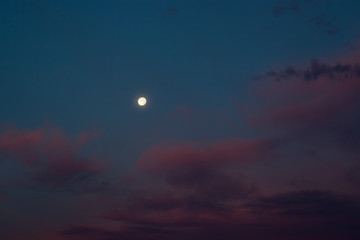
[(318, 95), (186, 186), (169, 156), (21, 144), (54, 158)]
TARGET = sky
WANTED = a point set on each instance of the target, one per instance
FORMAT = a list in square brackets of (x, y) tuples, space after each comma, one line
[(250, 131)]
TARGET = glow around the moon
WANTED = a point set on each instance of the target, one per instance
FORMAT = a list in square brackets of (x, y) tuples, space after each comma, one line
[(142, 101)]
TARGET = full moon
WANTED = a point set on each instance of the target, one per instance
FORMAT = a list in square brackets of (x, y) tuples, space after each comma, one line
[(142, 101)]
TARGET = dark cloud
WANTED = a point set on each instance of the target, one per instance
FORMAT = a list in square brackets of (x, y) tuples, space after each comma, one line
[(96, 233), (181, 204), (53, 159), (309, 204), (316, 70), (183, 187), (79, 230), (308, 214), (319, 213), (68, 174)]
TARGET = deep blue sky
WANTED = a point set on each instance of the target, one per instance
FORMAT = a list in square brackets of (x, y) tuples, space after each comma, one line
[(73, 66)]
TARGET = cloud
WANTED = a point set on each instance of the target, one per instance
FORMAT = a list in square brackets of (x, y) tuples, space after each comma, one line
[(53, 158), (199, 190), (308, 204), (81, 230), (204, 175), (308, 214), (21, 145), (197, 154), (182, 186), (96, 233), (66, 172), (316, 71), (320, 97), (313, 211)]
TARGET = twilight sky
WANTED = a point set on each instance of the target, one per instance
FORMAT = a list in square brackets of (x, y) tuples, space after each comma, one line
[(251, 130)]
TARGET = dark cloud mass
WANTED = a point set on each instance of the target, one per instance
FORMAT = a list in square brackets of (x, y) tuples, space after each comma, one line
[(318, 69), (308, 204), (297, 215)]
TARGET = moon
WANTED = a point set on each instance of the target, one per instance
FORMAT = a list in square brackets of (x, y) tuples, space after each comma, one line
[(142, 101)]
